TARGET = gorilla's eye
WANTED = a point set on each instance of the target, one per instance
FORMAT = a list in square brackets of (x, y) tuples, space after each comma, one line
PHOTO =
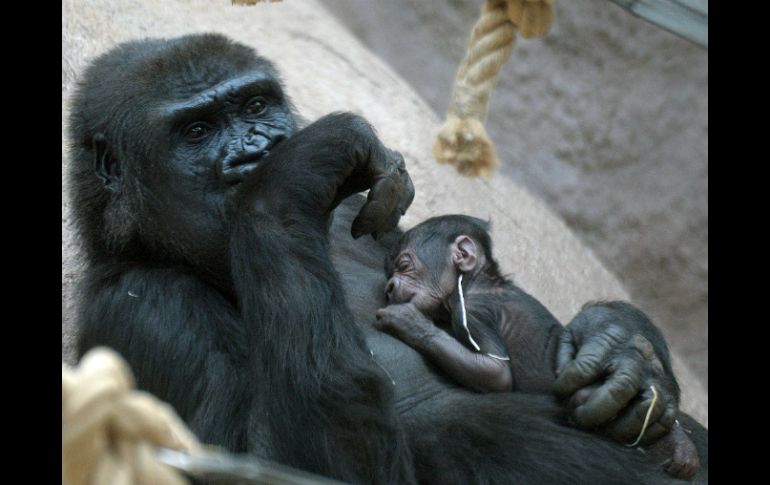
[(197, 131), (404, 264), (256, 106)]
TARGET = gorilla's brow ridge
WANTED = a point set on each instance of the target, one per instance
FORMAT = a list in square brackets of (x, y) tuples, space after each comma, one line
[(251, 84)]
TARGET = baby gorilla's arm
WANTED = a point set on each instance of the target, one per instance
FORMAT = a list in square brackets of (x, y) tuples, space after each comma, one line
[(477, 370)]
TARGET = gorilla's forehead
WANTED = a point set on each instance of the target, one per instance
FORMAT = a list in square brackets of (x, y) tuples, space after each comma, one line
[(205, 86), (183, 67), (189, 99)]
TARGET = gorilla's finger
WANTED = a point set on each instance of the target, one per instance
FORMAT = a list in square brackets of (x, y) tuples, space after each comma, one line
[(395, 159), (653, 433), (368, 219), (587, 367), (404, 182), (640, 343), (663, 425), (398, 158), (388, 223), (379, 319), (407, 195), (382, 199), (566, 350), (626, 427), (612, 396), (669, 415)]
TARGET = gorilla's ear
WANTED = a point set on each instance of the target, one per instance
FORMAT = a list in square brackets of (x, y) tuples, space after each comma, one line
[(106, 166), (464, 253)]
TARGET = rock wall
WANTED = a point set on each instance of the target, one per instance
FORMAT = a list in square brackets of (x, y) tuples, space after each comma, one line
[(326, 69)]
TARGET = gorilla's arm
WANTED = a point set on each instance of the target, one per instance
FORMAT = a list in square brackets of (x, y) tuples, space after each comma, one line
[(322, 391), (609, 356), (305, 178)]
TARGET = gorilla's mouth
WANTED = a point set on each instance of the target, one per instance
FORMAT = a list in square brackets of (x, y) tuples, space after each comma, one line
[(236, 169)]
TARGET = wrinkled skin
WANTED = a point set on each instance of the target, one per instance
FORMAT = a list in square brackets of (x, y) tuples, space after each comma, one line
[(206, 218), (634, 362), (427, 288)]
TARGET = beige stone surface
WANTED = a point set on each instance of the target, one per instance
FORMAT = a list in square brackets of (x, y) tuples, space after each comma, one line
[(605, 119), (326, 69)]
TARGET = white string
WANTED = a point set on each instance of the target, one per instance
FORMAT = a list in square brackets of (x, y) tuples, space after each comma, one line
[(392, 381), (498, 357), (465, 321), (647, 418), (462, 309)]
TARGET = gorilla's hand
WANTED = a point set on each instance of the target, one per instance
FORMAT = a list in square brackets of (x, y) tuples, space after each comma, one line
[(405, 322), (609, 358), (333, 158), (391, 193), (376, 168)]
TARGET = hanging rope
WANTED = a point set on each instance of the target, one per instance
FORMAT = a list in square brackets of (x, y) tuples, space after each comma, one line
[(110, 431), (462, 141)]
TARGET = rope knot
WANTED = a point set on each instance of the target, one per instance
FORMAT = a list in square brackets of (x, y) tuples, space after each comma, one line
[(462, 141), (110, 431)]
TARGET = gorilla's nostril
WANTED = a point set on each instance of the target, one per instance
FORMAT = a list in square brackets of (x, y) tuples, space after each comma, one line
[(389, 291)]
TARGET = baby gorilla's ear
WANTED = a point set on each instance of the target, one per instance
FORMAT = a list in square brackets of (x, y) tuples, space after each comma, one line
[(464, 253)]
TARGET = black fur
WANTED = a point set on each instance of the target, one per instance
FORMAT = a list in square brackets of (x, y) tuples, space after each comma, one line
[(223, 298)]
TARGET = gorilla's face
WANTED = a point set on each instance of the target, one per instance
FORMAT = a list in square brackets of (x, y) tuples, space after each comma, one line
[(426, 280), (172, 127), (210, 141), (222, 131)]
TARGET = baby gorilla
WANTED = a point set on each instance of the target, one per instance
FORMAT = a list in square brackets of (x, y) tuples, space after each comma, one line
[(488, 335), (500, 338)]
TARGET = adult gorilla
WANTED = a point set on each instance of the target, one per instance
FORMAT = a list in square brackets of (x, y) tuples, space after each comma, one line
[(205, 217)]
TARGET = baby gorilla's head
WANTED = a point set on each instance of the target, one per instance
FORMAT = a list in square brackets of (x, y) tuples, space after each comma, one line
[(424, 266)]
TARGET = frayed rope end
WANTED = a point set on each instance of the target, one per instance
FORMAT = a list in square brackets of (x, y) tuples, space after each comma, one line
[(465, 144)]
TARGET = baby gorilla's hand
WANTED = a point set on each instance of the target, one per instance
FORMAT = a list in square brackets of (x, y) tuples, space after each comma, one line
[(405, 322)]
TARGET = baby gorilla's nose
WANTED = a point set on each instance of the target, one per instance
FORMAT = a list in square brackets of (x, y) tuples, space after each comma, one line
[(389, 289)]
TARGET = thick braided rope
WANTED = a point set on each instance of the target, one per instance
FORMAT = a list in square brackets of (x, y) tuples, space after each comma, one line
[(110, 430), (462, 140)]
